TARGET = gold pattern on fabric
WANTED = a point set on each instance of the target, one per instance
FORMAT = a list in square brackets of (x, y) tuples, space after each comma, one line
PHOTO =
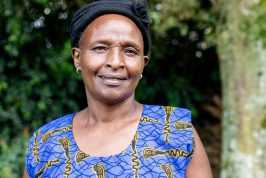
[(65, 143), (47, 165), (50, 133), (36, 147), (99, 170), (180, 125), (176, 153), (124, 151), (148, 120), (168, 170), (134, 156), (167, 130), (81, 156), (149, 152)]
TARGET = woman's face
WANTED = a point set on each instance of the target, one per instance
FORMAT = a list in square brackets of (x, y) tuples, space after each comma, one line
[(110, 57)]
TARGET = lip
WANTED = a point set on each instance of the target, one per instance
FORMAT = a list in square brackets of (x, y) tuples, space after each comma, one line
[(114, 80)]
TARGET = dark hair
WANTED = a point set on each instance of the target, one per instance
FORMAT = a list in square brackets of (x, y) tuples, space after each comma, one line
[(136, 10)]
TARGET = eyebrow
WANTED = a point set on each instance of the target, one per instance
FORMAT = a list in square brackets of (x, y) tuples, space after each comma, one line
[(106, 42), (134, 45)]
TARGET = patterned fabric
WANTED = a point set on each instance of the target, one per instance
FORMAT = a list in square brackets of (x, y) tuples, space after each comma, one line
[(162, 147)]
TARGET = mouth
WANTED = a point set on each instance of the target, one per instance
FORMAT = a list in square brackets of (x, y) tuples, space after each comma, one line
[(112, 80), (112, 77)]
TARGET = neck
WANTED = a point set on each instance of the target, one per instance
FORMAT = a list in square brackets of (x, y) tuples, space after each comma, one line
[(98, 112)]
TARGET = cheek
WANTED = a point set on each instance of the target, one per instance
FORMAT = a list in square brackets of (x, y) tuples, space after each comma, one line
[(135, 69), (90, 63)]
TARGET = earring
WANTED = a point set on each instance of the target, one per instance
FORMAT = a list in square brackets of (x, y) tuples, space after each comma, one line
[(141, 76), (78, 70)]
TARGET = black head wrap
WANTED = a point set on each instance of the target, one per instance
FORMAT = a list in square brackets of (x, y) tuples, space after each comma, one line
[(136, 10)]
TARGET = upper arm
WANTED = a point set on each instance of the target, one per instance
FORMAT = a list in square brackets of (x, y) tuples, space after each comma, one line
[(25, 174), (199, 166)]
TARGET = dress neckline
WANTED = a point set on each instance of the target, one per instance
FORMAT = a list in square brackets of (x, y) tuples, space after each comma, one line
[(127, 149)]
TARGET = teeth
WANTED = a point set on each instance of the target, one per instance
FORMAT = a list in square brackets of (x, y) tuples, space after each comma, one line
[(110, 78)]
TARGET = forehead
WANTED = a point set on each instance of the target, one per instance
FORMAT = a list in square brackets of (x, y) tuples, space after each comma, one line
[(113, 26)]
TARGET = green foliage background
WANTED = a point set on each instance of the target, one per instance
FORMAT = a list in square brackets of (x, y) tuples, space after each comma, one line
[(38, 82)]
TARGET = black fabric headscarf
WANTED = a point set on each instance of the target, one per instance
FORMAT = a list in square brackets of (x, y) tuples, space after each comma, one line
[(136, 10)]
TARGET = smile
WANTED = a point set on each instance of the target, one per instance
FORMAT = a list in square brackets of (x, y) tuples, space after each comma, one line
[(112, 79)]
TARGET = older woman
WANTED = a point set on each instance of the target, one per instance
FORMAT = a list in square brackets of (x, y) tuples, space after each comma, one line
[(115, 136)]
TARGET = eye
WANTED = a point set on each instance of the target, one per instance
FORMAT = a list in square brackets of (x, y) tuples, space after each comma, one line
[(130, 51), (100, 49)]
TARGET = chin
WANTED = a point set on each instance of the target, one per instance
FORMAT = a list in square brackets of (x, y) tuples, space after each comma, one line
[(112, 99)]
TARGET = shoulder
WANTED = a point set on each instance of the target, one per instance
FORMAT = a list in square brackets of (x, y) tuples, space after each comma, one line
[(173, 130), (173, 113), (158, 108), (47, 130), (57, 123), (43, 142), (39, 146), (173, 122)]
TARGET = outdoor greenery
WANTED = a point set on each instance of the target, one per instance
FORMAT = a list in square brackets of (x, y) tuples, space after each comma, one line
[(38, 82)]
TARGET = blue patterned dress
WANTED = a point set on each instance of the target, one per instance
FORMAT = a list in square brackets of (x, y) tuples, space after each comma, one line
[(162, 147)]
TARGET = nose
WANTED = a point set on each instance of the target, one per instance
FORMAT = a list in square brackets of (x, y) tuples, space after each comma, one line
[(115, 59)]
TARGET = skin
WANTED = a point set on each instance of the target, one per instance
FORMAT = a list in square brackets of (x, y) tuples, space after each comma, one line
[(110, 47), (111, 60)]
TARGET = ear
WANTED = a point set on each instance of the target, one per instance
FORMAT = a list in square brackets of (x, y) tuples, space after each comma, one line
[(75, 52), (146, 60)]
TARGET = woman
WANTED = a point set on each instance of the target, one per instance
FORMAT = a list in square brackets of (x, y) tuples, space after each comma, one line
[(115, 136)]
